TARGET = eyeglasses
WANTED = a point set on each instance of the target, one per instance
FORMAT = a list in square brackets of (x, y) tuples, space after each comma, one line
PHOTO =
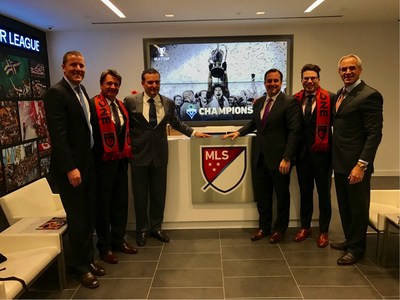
[(345, 69), (305, 79)]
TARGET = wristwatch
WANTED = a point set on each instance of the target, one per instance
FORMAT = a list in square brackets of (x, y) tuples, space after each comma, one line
[(362, 166)]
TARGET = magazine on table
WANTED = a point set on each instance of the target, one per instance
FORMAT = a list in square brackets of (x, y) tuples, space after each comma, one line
[(54, 223)]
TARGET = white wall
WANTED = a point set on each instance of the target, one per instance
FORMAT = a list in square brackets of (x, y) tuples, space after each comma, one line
[(120, 47)]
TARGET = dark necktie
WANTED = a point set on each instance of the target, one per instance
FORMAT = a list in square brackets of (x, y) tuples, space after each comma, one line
[(308, 108), (117, 121), (266, 112), (152, 113), (339, 101), (85, 110)]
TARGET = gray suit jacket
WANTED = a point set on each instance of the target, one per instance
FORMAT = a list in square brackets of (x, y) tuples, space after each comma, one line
[(357, 128), (151, 144)]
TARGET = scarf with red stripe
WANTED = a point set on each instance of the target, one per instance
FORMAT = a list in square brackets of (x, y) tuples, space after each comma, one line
[(323, 120), (108, 132)]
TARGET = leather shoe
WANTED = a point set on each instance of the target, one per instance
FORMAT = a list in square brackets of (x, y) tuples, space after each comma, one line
[(302, 234), (348, 259), (97, 269), (109, 257), (126, 248), (323, 240), (160, 235), (339, 246), (258, 235), (88, 280), (141, 238), (276, 237)]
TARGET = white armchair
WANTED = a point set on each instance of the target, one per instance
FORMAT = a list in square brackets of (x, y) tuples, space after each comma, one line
[(383, 202), (33, 200), (28, 255)]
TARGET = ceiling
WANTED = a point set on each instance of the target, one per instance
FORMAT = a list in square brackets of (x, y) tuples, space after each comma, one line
[(62, 15)]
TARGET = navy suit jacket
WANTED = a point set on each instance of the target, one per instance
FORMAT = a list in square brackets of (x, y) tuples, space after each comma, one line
[(280, 137), (69, 131), (151, 144), (357, 128)]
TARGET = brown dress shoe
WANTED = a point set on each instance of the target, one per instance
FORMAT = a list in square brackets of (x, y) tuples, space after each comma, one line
[(88, 280), (258, 235), (126, 248), (109, 257), (348, 259), (323, 240), (302, 234), (97, 269), (276, 237)]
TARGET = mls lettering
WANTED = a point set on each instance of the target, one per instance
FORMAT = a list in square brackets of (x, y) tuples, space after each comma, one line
[(214, 155)]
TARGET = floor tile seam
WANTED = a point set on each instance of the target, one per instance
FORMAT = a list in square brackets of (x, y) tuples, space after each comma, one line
[(290, 270), (125, 278), (184, 287), (324, 267), (383, 275), (369, 281), (194, 252), (189, 268), (155, 271), (337, 286), (260, 276), (250, 259)]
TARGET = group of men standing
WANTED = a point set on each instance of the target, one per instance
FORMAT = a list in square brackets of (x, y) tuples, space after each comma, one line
[(94, 139), (298, 130)]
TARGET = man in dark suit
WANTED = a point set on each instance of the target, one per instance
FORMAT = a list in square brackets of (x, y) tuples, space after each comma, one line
[(112, 150), (357, 133), (72, 163), (149, 114), (277, 119), (314, 155)]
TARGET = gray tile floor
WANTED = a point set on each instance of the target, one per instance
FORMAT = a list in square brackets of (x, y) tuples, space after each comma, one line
[(225, 264)]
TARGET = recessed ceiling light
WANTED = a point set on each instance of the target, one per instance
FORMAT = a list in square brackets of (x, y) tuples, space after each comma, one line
[(169, 15), (113, 8), (313, 6), (260, 13)]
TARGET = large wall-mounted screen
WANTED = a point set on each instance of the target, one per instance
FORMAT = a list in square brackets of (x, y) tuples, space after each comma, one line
[(214, 80)]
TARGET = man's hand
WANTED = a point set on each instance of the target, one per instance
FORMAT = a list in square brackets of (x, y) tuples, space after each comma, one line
[(284, 166), (356, 175), (74, 177), (232, 135), (200, 134)]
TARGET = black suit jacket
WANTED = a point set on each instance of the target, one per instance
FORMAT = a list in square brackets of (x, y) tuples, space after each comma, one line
[(279, 139), (357, 128), (69, 131), (151, 144), (308, 137)]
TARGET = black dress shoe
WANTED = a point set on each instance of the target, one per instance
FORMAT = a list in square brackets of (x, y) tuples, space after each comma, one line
[(126, 248), (109, 257), (160, 235), (97, 269), (339, 246), (348, 259), (276, 237), (141, 238), (88, 280)]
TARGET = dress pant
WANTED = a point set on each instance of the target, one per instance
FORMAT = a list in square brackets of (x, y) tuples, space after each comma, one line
[(149, 186), (112, 197), (80, 206), (265, 181), (309, 170), (353, 203)]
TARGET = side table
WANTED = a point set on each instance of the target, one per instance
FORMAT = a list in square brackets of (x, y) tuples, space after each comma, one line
[(390, 253)]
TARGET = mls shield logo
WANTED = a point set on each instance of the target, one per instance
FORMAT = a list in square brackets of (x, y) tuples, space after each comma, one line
[(191, 111), (109, 139), (322, 131), (223, 167)]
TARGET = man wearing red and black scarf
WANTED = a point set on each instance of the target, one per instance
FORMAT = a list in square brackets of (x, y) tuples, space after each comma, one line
[(314, 156)]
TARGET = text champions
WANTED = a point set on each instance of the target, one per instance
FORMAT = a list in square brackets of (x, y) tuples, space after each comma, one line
[(18, 40)]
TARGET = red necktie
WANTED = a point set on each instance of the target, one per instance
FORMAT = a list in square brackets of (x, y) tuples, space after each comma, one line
[(340, 99), (266, 112)]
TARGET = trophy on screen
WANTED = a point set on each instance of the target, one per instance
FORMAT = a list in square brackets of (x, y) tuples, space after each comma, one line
[(217, 62)]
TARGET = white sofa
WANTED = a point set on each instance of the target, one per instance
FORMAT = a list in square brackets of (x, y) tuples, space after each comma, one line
[(33, 200), (28, 255), (383, 202)]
